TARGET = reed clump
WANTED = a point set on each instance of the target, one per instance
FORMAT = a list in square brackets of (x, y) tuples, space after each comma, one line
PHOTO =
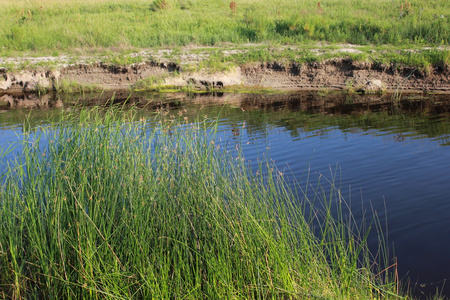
[(104, 205)]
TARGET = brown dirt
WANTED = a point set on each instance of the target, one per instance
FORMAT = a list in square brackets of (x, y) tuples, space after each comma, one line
[(334, 74)]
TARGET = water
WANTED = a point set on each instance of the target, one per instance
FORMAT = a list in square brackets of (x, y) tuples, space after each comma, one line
[(392, 157)]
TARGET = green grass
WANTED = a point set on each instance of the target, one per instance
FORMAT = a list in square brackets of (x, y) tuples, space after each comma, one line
[(67, 86), (422, 59), (51, 26), (105, 205)]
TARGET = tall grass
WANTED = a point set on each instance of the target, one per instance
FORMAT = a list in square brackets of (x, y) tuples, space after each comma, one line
[(53, 25), (103, 205)]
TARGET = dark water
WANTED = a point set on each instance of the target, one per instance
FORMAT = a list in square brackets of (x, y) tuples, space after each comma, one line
[(387, 154)]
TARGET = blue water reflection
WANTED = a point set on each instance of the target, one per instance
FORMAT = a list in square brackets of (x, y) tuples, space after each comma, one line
[(394, 163)]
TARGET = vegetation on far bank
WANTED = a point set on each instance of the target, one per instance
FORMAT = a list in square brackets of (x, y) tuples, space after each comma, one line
[(52, 26), (226, 57), (107, 205)]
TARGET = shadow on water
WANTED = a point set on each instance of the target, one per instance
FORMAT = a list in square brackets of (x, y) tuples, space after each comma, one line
[(331, 103), (296, 112), (391, 147)]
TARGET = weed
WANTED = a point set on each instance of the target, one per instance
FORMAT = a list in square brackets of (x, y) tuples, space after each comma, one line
[(158, 5), (233, 7), (149, 83), (323, 91), (69, 86), (405, 9), (24, 17), (349, 86)]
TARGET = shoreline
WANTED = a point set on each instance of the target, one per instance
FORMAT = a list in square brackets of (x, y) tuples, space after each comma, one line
[(198, 70)]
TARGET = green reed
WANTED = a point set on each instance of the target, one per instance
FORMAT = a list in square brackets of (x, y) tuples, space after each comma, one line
[(105, 205)]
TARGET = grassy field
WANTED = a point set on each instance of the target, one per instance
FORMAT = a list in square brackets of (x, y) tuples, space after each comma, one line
[(53, 26), (106, 205)]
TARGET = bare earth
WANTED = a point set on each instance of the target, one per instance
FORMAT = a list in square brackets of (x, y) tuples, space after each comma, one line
[(333, 74)]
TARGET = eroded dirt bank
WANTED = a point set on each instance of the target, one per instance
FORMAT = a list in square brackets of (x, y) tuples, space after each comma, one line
[(333, 74)]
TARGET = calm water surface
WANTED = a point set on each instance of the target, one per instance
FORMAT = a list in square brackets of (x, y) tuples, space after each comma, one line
[(392, 157)]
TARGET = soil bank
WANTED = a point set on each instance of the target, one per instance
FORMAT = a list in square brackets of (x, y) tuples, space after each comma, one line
[(332, 74)]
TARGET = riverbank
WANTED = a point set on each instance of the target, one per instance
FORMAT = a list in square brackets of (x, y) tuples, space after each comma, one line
[(238, 45), (253, 67)]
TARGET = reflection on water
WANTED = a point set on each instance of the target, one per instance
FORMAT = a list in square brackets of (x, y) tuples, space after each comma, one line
[(391, 153), (333, 103)]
